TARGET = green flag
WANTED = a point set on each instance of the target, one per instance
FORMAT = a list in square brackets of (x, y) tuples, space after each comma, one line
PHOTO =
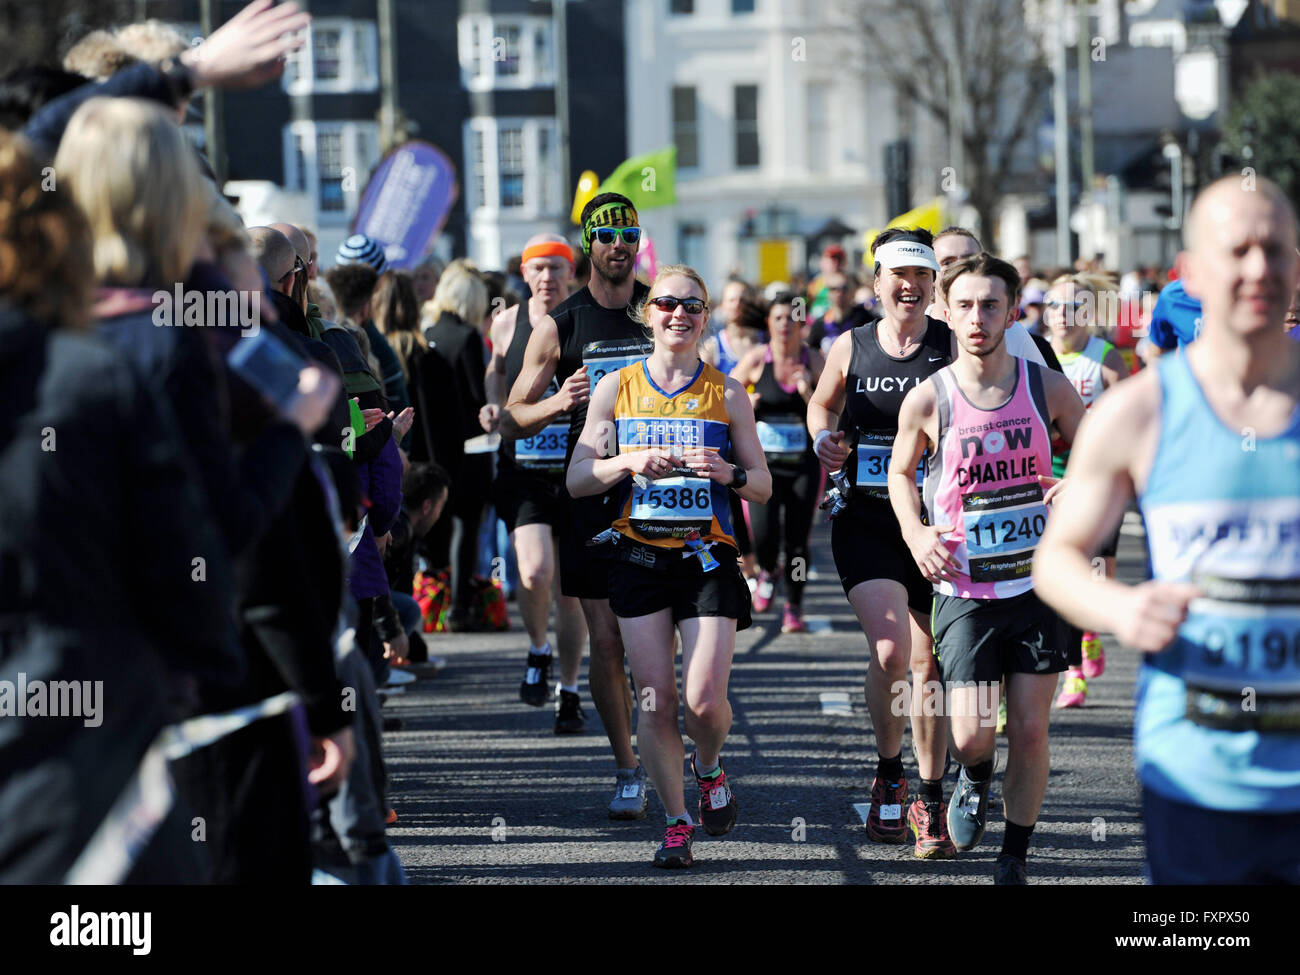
[(648, 180)]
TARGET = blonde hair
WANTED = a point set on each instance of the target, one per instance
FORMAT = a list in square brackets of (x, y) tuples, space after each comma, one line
[(97, 56), (461, 292), (641, 312), (136, 179), (1096, 285), (152, 40)]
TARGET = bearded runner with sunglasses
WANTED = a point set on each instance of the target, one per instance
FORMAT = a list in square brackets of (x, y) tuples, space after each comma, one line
[(868, 372), (683, 435), (588, 335)]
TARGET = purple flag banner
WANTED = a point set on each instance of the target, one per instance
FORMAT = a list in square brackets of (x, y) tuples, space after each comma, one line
[(407, 201)]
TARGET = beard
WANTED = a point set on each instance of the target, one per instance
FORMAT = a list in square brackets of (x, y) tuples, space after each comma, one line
[(613, 275)]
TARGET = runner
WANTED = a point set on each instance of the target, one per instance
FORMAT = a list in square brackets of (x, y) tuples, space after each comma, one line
[(867, 373), (676, 560), (985, 424), (529, 488), (589, 334), (783, 375), (1093, 365), (1209, 442), (742, 321)]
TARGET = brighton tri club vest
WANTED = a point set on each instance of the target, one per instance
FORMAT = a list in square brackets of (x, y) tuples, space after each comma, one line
[(667, 509)]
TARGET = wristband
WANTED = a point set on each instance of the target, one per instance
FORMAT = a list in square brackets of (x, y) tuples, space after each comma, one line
[(817, 440)]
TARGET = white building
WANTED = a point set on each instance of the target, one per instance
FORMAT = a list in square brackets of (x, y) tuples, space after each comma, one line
[(776, 132)]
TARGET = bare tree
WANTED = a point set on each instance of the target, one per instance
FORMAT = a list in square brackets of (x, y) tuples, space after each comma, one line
[(987, 52)]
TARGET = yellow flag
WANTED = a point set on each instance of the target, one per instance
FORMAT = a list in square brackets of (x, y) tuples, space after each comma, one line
[(928, 216), (587, 184)]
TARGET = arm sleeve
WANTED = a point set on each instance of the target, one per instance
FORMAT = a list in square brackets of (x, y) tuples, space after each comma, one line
[(45, 128)]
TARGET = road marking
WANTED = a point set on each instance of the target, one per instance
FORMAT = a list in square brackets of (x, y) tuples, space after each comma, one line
[(862, 809), (819, 625), (836, 703)]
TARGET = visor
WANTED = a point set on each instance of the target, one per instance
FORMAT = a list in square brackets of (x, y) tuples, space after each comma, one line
[(905, 253)]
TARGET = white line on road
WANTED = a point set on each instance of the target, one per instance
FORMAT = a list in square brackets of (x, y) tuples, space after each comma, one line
[(836, 703), (862, 808)]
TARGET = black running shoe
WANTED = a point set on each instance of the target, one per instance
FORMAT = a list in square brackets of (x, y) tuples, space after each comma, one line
[(570, 719), (1009, 871), (675, 852), (718, 807), (537, 680)]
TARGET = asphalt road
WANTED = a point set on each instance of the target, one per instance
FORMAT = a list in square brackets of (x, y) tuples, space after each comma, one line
[(486, 793)]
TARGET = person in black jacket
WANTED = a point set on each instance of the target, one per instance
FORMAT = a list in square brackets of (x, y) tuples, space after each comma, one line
[(448, 404), (104, 530)]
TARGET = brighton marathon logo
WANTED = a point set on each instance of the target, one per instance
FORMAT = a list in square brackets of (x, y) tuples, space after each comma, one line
[(52, 699), (215, 309)]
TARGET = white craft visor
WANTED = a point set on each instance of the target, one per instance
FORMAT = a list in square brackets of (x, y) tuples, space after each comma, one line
[(905, 253)]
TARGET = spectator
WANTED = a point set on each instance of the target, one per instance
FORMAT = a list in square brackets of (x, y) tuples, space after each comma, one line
[(448, 401), (425, 278), (353, 285), (97, 56)]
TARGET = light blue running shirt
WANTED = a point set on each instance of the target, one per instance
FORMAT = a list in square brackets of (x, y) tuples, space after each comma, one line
[(1222, 510)]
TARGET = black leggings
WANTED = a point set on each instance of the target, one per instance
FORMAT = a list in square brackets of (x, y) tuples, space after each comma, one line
[(453, 541), (787, 516)]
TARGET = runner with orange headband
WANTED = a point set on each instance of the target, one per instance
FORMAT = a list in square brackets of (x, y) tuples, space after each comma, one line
[(529, 489)]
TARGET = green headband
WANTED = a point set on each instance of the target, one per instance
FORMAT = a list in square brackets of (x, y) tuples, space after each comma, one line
[(609, 215)]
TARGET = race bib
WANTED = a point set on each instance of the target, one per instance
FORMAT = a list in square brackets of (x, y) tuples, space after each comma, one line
[(1238, 643), (783, 439), (672, 507), (875, 447), (1003, 527), (544, 451), (610, 355)]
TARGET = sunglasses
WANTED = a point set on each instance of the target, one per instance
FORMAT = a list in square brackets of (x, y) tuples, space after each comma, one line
[(668, 304), (1054, 303), (607, 235)]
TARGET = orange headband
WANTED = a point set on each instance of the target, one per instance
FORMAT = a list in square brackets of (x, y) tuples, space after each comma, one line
[(550, 248)]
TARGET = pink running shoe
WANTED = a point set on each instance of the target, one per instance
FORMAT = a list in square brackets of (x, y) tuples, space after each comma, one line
[(1075, 691), (792, 620), (1094, 656), (763, 592)]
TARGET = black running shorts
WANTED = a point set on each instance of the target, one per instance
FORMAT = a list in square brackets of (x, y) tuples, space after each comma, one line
[(867, 544), (686, 589), (584, 569), (522, 498), (983, 640)]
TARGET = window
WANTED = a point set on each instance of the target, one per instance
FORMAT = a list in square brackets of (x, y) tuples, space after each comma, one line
[(692, 244), (340, 55), (505, 52), (511, 166), (742, 6), (681, 6), (330, 161), (685, 132), (746, 115)]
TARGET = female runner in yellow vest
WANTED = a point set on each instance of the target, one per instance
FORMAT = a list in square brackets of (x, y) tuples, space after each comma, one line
[(676, 434)]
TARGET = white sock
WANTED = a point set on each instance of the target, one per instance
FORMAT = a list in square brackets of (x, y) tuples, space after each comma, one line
[(571, 688), (683, 816), (543, 651)]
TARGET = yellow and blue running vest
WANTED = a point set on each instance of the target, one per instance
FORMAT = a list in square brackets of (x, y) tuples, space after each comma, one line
[(666, 510)]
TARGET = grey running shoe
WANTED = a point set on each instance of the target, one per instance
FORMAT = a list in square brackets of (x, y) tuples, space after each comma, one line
[(1009, 872), (968, 809), (630, 799)]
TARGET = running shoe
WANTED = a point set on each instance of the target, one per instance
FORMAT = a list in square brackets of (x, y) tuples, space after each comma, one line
[(968, 809), (792, 620), (763, 591), (570, 719), (930, 827), (1009, 871), (397, 677), (675, 852), (885, 820), (717, 803), (1094, 656), (630, 799), (1075, 691), (536, 684)]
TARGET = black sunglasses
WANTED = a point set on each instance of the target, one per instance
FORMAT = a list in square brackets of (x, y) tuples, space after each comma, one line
[(668, 304)]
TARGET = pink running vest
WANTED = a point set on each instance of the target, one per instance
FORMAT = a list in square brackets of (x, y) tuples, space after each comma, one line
[(983, 480)]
